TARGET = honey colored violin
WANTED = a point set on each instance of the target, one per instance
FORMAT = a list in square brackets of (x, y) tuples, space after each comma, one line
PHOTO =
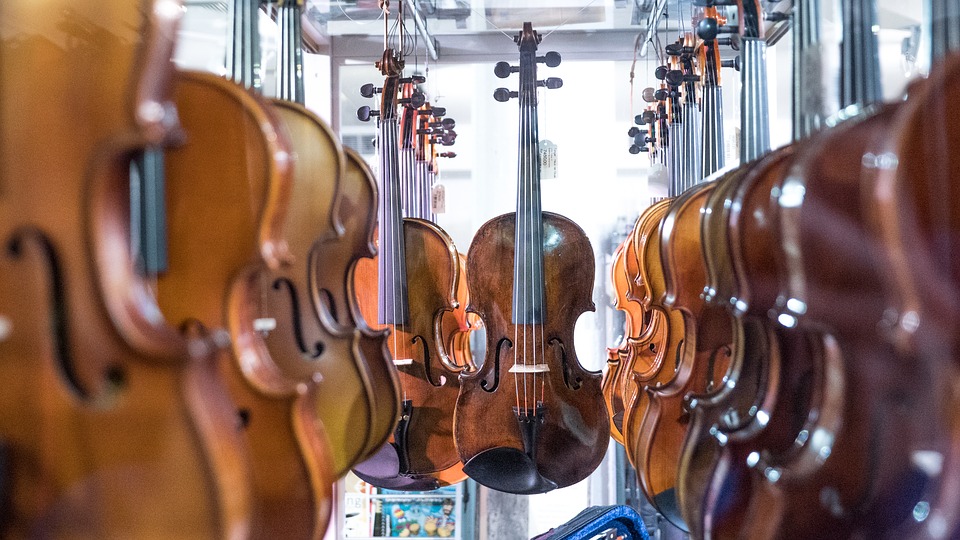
[(531, 419), (111, 411)]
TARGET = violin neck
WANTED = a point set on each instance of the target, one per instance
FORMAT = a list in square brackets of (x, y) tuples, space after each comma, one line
[(754, 105), (290, 63), (711, 123), (859, 55), (675, 166), (945, 27), (691, 142), (808, 86), (408, 174), (528, 291), (243, 54), (148, 221), (393, 307)]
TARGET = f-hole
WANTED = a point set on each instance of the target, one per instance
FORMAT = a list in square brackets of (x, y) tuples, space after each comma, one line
[(427, 369), (58, 305), (676, 359), (712, 364), (571, 382), (486, 386), (297, 322)]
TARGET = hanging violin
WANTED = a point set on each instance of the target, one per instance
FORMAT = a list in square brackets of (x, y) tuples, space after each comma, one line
[(114, 424), (531, 419), (407, 288)]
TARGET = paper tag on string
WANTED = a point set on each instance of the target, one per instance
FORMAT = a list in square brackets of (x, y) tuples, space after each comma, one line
[(438, 199), (548, 160)]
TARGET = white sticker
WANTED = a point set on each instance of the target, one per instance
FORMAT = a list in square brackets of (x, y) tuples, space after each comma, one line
[(438, 199), (548, 160)]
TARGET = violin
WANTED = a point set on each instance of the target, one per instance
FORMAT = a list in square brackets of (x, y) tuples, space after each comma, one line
[(407, 288), (530, 275), (92, 360), (645, 360), (919, 243), (434, 130)]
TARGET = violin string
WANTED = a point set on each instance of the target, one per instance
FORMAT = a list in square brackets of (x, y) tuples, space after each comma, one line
[(525, 107), (528, 244), (516, 268)]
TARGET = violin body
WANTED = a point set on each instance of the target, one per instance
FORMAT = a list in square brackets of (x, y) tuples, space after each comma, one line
[(339, 306), (572, 438), (111, 411), (423, 441), (212, 278)]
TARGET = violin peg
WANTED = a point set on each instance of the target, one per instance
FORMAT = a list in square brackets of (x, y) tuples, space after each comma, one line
[(364, 113), (661, 72), (551, 59), (552, 83), (734, 63), (634, 149), (418, 79), (438, 111), (674, 49), (502, 94), (648, 95), (733, 41), (633, 131), (448, 123), (417, 100), (648, 117), (707, 29), (503, 70), (674, 77), (369, 90), (447, 154)]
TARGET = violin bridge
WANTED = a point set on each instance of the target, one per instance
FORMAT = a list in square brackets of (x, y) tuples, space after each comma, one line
[(529, 368), (265, 325)]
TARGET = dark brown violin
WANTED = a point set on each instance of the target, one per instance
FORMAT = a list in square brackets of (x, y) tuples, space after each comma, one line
[(407, 288), (531, 419), (110, 411), (916, 214)]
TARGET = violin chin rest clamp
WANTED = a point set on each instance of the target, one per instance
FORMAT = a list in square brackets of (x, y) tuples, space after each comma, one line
[(509, 470)]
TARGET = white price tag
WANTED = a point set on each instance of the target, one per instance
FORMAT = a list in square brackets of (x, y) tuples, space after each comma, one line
[(438, 199), (548, 160)]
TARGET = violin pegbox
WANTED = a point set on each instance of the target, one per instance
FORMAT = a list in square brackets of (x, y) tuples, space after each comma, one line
[(527, 39)]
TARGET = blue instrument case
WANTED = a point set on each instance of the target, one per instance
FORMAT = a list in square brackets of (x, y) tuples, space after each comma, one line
[(601, 523)]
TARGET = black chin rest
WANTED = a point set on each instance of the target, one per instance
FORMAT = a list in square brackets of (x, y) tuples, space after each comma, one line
[(666, 503), (383, 470), (509, 470)]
